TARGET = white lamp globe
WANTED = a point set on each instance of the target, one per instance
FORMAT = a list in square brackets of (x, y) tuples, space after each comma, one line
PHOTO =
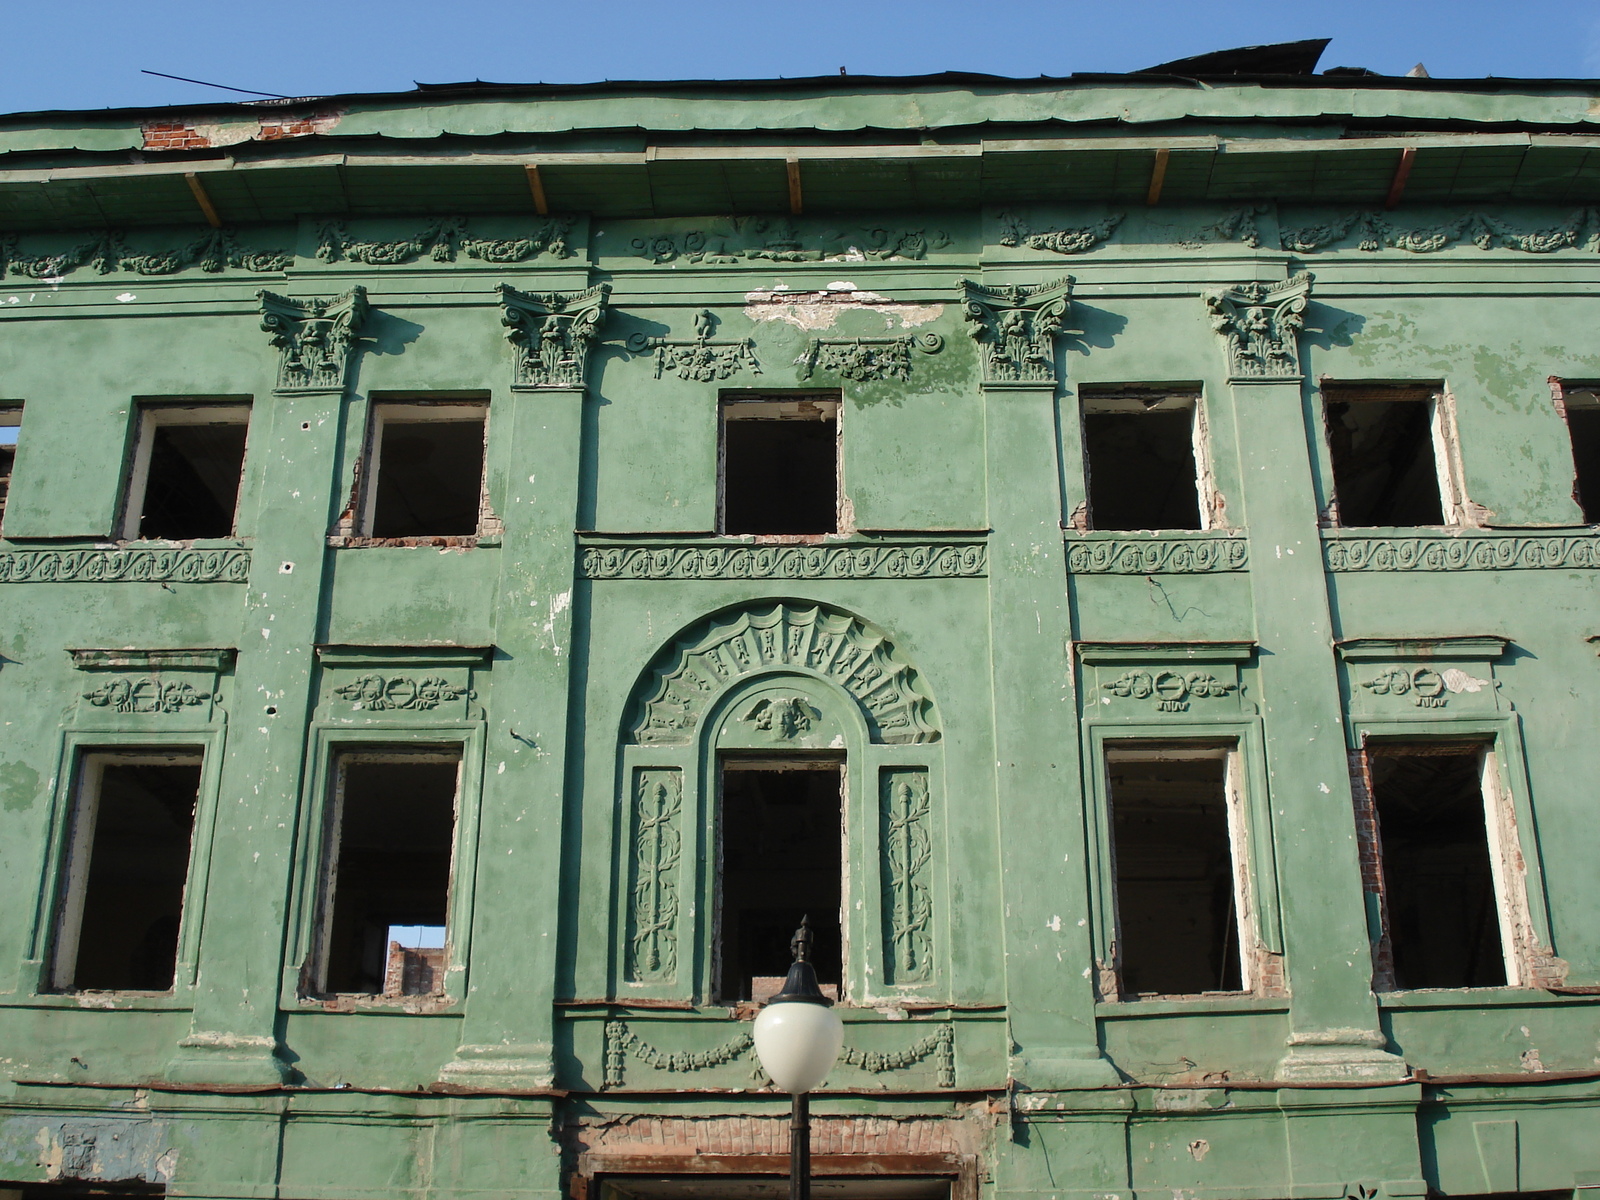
[(798, 1043)]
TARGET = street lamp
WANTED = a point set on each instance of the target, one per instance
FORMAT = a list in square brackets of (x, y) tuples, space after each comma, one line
[(798, 1037)]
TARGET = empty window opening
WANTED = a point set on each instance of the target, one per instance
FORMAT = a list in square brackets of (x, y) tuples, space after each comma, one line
[(386, 903), (127, 865), (1442, 911), (10, 427), (780, 465), (1174, 818), (1583, 423), (186, 470), (1141, 457), (782, 837), (1383, 443), (426, 469)]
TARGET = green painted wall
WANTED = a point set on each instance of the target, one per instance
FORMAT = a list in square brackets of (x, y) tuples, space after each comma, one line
[(961, 576)]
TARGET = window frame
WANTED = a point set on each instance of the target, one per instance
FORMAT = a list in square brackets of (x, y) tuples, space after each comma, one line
[(418, 409), (78, 743), (11, 415), (1254, 870), (1455, 509), (734, 398), (1512, 835), (1584, 395), (1099, 398), (153, 411), (311, 886)]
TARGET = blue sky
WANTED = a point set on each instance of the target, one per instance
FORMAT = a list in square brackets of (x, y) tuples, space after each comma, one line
[(82, 54)]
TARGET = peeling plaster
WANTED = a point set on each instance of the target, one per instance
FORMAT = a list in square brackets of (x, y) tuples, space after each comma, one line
[(821, 309)]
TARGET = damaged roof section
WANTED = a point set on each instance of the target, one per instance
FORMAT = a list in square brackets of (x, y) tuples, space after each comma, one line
[(1255, 122)]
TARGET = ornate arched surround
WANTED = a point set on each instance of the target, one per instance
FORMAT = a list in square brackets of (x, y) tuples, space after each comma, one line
[(782, 677)]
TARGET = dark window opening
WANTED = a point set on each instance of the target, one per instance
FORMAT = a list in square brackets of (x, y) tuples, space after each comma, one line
[(780, 466), (191, 471), (782, 844), (428, 472), (1583, 423), (392, 829), (1384, 468), (1177, 896), (10, 427), (126, 872), (1443, 916), (1139, 455)]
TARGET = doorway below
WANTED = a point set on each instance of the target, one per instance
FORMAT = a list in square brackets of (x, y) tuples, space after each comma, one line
[(782, 838)]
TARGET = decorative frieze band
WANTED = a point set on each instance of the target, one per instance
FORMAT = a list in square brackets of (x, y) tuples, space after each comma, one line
[(1164, 556), (124, 566), (1472, 553), (938, 560)]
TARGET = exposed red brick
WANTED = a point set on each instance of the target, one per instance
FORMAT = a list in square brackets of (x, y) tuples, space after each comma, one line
[(172, 135)]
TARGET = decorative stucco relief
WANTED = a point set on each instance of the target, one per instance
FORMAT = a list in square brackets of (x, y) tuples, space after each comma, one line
[(125, 694), (124, 566), (315, 337), (1475, 553), (778, 239), (939, 560), (866, 359), (703, 358), (1260, 325), (1164, 556), (940, 1045), (552, 333), (212, 250), (1168, 691), (1016, 329), (440, 240), (831, 645), (1074, 240), (621, 1042), (1376, 231), (907, 852), (380, 692), (652, 947)]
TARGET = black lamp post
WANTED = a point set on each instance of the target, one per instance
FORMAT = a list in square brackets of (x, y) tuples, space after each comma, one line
[(798, 1037)]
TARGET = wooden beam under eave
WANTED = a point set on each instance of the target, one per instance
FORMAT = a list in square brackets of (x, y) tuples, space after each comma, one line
[(796, 200), (1158, 176), (203, 199), (536, 186), (1402, 172)]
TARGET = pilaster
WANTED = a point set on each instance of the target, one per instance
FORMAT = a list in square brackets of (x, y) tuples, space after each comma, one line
[(1050, 990), (1334, 1029)]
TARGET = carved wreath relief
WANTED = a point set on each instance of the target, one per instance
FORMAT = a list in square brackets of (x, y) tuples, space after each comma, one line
[(907, 849), (1171, 691), (815, 641), (1426, 687), (124, 694), (379, 692), (652, 948)]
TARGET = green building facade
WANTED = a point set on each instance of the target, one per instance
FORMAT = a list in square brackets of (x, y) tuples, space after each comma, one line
[(1117, 552)]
